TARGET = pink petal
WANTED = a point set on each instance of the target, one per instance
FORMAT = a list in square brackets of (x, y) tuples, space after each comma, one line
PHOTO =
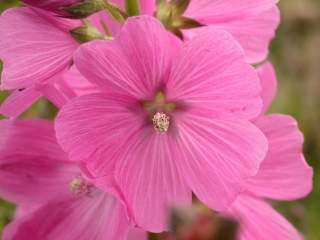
[(284, 174), (211, 75), (258, 220), (137, 234), (54, 95), (33, 167), (67, 86), (33, 47), (251, 22), (19, 101), (147, 173), (136, 62), (100, 218), (216, 156), (88, 124), (268, 81), (147, 7)]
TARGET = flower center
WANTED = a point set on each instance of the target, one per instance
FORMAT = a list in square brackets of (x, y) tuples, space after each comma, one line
[(80, 187), (161, 122), (158, 109)]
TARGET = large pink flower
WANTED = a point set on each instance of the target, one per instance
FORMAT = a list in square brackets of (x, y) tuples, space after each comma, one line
[(56, 200), (172, 118), (283, 174), (251, 22)]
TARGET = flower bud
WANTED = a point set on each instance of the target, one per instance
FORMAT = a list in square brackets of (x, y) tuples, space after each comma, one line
[(69, 8), (86, 33)]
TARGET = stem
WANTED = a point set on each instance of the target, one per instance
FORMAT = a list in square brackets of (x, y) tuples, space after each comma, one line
[(132, 7)]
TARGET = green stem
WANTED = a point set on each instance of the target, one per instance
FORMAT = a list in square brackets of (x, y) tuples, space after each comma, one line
[(132, 7)]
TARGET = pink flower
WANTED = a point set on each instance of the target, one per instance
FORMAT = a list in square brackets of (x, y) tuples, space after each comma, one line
[(56, 200), (283, 174), (37, 50), (251, 22), (172, 118)]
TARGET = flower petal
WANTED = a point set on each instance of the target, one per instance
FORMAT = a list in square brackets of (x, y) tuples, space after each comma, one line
[(32, 47), (211, 75), (268, 81), (33, 168), (258, 220), (137, 234), (97, 218), (251, 22), (91, 127), (217, 156), (136, 62), (284, 174), (19, 101), (147, 173)]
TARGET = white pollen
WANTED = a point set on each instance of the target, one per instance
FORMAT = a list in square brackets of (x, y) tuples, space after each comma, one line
[(79, 186), (161, 122)]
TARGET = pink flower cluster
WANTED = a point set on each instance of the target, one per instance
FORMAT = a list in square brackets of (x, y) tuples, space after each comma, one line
[(154, 110)]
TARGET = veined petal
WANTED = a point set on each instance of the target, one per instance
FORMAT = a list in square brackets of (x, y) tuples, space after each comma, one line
[(136, 62), (91, 127), (100, 217), (251, 22), (148, 175), (217, 156), (258, 220), (19, 101), (33, 48), (33, 167), (268, 81), (211, 75), (284, 173)]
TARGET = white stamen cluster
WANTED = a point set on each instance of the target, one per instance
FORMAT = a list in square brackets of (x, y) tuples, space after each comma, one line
[(161, 122), (79, 186)]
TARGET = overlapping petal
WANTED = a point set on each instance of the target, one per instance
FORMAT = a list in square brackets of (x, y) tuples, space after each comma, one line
[(211, 75), (284, 174), (136, 63), (258, 220), (34, 47), (91, 127), (33, 167), (268, 81), (98, 218), (148, 175), (251, 22), (215, 156), (19, 101)]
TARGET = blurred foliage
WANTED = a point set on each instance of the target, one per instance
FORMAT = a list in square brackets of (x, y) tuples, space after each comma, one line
[(296, 55)]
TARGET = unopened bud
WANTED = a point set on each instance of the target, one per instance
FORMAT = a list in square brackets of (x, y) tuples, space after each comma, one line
[(85, 8), (86, 33)]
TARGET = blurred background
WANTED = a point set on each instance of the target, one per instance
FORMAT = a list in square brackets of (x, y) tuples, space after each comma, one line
[(296, 55)]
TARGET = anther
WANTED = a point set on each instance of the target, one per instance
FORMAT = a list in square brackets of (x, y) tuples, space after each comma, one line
[(161, 122), (79, 186)]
